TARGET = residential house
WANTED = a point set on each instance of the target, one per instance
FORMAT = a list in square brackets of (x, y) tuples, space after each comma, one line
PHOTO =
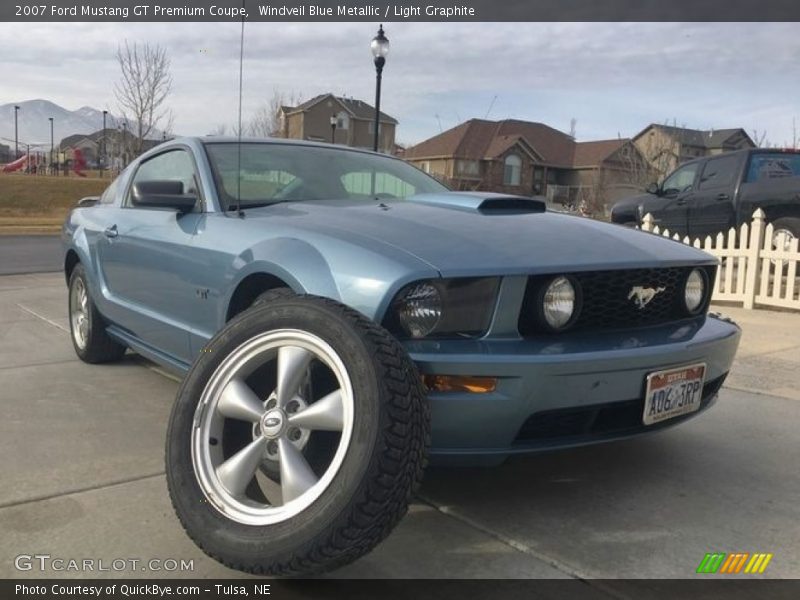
[(354, 122), (119, 146), (665, 146), (528, 158)]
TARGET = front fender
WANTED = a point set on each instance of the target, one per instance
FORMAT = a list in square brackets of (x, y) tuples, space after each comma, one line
[(360, 277)]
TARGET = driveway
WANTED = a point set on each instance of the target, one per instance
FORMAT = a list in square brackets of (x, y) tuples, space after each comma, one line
[(83, 473)]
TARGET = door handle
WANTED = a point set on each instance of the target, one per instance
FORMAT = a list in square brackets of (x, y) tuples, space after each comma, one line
[(111, 232), (723, 196), (681, 202)]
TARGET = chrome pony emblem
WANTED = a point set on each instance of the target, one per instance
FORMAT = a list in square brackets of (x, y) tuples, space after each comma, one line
[(642, 295)]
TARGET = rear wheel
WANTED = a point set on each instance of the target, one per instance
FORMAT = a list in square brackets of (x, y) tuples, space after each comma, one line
[(784, 231), (89, 338), (296, 442)]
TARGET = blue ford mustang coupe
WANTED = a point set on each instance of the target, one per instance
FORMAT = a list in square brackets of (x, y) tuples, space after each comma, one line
[(339, 316)]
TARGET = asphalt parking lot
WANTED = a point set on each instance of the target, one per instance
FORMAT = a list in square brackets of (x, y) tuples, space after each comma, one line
[(82, 473)]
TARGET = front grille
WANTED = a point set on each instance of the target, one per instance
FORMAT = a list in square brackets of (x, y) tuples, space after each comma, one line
[(606, 301), (573, 425)]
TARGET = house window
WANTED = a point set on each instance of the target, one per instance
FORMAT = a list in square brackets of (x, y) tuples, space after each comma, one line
[(426, 166), (342, 120), (372, 128), (513, 169), (469, 168)]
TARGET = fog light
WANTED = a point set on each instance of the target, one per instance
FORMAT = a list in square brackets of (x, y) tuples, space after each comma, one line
[(459, 383), (695, 291), (558, 303)]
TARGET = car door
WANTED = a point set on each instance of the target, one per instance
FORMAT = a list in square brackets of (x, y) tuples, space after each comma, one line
[(145, 256), (711, 206), (670, 207)]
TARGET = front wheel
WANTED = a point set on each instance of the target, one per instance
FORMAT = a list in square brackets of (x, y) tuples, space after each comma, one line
[(297, 438)]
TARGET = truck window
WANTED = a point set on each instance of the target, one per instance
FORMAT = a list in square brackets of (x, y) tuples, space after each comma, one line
[(719, 172), (681, 180), (773, 165)]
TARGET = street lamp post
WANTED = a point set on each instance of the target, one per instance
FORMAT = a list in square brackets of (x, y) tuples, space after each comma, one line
[(333, 129), (16, 133), (52, 144), (380, 48), (104, 151)]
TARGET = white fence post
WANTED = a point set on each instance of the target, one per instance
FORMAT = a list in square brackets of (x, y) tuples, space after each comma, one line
[(753, 255), (647, 222)]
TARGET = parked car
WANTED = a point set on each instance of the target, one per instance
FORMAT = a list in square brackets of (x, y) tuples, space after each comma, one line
[(708, 195), (336, 312)]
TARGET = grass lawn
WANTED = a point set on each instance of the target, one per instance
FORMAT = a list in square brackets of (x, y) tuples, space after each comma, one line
[(39, 203)]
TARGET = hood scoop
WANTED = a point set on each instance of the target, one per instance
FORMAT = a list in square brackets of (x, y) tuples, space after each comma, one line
[(483, 202)]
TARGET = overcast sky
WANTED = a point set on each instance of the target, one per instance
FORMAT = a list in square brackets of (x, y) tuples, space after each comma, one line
[(613, 78)]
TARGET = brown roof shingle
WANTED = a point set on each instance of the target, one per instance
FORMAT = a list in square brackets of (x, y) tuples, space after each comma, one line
[(591, 154), (479, 139)]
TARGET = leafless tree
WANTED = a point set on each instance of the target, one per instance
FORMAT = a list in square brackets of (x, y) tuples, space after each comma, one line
[(760, 139), (266, 121), (220, 129), (143, 88)]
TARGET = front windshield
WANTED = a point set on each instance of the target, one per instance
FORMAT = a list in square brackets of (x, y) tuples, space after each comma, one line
[(273, 173)]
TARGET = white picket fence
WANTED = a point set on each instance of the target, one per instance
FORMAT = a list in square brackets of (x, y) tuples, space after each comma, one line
[(754, 268)]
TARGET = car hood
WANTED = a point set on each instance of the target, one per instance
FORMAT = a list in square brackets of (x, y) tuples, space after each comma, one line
[(629, 205), (461, 234)]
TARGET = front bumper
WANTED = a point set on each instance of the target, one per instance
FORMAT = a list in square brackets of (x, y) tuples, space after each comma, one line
[(565, 390)]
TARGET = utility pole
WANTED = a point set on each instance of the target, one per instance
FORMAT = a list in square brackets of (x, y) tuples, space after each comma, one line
[(103, 152), (52, 142), (16, 133)]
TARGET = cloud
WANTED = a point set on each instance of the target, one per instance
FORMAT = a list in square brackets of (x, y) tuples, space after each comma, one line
[(614, 78)]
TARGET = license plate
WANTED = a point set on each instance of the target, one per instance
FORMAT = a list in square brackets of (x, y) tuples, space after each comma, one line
[(673, 393)]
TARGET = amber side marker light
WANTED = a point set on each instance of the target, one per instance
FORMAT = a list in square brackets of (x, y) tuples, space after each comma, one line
[(459, 383)]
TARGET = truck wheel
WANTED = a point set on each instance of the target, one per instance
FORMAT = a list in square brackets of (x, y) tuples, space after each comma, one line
[(786, 228), (324, 393), (87, 330)]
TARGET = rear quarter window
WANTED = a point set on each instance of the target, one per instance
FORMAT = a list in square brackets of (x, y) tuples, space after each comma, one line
[(772, 166)]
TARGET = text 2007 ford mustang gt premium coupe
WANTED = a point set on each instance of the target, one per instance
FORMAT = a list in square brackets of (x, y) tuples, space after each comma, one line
[(339, 315)]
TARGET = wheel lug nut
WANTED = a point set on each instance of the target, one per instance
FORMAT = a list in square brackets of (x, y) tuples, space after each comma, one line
[(294, 434)]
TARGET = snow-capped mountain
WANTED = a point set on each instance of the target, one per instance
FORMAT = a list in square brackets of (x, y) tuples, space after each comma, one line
[(34, 124)]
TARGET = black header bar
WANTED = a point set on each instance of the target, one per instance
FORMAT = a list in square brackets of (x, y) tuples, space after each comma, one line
[(398, 10)]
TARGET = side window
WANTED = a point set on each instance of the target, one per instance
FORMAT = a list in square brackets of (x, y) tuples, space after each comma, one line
[(719, 172), (681, 180), (110, 195), (773, 165), (175, 165)]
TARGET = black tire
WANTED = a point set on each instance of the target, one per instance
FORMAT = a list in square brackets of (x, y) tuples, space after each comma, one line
[(97, 346), (272, 295), (376, 479), (790, 224)]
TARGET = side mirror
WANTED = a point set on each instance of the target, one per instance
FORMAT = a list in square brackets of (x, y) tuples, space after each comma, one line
[(653, 188), (163, 194)]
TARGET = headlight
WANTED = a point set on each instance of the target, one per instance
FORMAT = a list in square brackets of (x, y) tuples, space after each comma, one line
[(420, 309), (695, 291), (559, 302), (443, 308)]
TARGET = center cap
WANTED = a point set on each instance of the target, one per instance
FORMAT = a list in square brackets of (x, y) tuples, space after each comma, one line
[(272, 423)]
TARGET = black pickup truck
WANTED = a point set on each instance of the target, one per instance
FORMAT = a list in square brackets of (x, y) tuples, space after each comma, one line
[(712, 194)]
